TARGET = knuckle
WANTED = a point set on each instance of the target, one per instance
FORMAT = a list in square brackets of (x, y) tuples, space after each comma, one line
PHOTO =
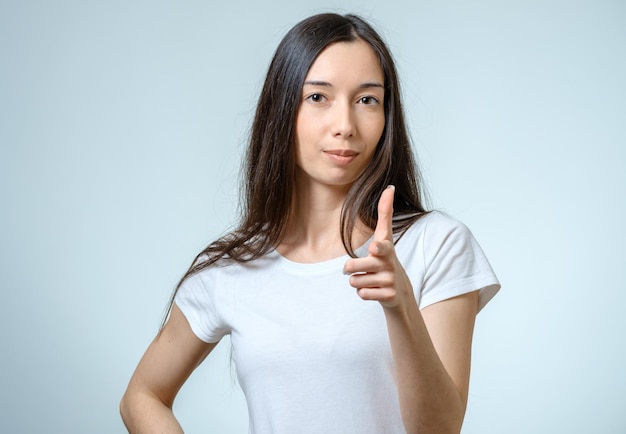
[(388, 297)]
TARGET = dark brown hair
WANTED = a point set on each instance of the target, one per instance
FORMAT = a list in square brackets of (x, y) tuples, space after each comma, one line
[(270, 161)]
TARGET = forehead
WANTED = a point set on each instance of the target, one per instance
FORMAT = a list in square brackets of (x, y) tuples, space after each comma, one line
[(347, 61)]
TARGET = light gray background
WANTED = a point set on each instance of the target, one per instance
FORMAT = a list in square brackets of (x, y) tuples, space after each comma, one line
[(121, 129)]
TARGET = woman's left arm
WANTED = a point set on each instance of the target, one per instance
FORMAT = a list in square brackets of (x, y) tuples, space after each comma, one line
[(431, 348)]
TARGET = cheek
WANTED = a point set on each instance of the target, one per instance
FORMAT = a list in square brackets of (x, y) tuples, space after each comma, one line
[(303, 130), (376, 129), (375, 133), (300, 137)]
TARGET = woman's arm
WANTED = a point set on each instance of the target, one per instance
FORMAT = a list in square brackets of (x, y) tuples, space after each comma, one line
[(146, 407), (431, 349), (431, 352)]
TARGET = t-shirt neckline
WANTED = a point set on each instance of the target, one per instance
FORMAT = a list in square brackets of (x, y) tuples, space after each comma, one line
[(311, 268)]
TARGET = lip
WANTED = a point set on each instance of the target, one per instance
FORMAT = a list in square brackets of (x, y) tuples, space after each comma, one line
[(341, 156)]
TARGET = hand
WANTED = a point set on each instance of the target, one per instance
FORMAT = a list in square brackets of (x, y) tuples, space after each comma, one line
[(380, 276)]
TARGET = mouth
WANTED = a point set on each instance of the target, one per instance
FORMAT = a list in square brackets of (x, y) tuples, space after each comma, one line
[(341, 156), (342, 152)]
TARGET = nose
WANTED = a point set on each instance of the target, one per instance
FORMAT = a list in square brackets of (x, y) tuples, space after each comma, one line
[(343, 121)]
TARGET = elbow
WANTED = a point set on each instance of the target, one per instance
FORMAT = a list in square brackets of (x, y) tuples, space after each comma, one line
[(128, 410), (124, 409)]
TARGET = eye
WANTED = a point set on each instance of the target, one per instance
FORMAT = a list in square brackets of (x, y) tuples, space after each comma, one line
[(368, 100), (315, 97)]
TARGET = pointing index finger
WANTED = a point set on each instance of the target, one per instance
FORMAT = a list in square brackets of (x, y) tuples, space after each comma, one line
[(384, 230)]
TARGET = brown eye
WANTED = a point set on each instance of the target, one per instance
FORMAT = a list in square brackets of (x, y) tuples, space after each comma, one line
[(368, 100), (315, 97)]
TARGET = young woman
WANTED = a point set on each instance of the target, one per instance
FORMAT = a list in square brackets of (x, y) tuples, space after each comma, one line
[(350, 307)]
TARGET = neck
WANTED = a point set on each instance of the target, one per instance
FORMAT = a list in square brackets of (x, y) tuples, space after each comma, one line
[(314, 229)]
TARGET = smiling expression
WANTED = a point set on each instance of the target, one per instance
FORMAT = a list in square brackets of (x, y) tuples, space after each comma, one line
[(341, 116)]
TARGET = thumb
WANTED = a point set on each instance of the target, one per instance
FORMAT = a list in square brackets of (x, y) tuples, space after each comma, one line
[(384, 230)]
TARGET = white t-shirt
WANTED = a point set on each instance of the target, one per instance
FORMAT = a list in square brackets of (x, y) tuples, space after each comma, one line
[(311, 356)]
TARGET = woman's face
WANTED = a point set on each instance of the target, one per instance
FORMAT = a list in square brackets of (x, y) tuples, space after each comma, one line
[(341, 116)]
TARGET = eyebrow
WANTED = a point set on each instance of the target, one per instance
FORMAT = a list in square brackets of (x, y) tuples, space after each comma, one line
[(366, 85)]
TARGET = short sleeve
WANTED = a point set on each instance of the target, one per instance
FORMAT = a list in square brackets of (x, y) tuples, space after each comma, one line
[(454, 264), (196, 298)]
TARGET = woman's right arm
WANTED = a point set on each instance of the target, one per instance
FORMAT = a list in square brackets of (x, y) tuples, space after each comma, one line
[(146, 407)]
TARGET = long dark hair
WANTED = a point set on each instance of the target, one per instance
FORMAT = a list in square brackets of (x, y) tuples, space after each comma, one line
[(270, 160)]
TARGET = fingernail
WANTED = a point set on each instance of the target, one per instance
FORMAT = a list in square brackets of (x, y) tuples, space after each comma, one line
[(391, 186)]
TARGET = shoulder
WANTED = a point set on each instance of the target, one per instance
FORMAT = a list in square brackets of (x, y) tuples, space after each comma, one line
[(440, 242), (434, 227), (222, 272), (453, 261)]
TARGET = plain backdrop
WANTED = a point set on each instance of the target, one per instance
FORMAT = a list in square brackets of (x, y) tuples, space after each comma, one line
[(122, 124)]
